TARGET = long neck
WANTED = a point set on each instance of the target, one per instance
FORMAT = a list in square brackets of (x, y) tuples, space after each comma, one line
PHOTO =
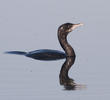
[(65, 45)]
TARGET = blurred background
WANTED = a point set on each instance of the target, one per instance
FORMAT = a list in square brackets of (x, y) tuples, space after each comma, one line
[(28, 25)]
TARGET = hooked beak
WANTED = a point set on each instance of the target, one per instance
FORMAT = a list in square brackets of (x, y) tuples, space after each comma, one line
[(76, 25)]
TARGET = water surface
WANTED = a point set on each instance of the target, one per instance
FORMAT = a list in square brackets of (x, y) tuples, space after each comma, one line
[(30, 25)]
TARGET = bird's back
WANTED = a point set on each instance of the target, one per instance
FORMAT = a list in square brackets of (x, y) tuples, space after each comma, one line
[(46, 54)]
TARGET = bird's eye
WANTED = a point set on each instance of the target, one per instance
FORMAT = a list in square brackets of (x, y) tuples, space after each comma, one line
[(68, 26)]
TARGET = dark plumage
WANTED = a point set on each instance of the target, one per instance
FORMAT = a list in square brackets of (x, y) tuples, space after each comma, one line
[(42, 54)]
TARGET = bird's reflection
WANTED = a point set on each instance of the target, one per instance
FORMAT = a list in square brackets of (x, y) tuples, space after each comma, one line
[(75, 87), (63, 77), (69, 84)]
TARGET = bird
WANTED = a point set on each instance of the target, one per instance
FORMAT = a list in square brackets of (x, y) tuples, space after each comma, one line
[(51, 55)]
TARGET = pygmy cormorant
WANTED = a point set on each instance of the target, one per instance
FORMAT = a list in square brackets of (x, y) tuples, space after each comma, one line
[(47, 54)]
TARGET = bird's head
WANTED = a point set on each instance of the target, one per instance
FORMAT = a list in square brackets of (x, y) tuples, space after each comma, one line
[(68, 27)]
